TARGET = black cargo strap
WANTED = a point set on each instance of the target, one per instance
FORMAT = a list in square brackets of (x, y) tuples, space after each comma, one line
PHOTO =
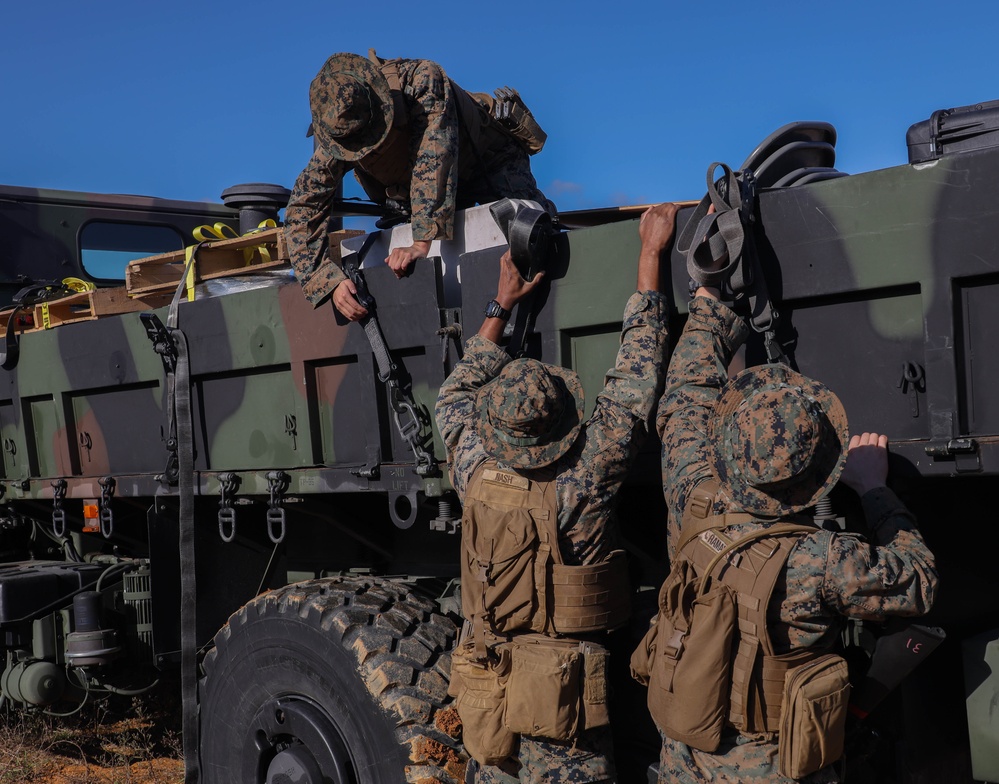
[(181, 432), (406, 412), (10, 350), (528, 233), (24, 299), (725, 236)]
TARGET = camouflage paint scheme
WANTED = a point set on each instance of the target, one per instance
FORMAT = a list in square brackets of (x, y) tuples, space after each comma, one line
[(872, 272)]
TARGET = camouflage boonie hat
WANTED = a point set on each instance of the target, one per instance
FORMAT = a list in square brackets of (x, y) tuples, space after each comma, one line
[(352, 107), (530, 414), (780, 440)]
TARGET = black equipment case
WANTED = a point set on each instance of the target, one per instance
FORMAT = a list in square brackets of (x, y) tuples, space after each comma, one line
[(965, 128)]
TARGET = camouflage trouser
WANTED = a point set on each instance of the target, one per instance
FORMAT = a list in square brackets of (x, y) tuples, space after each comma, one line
[(507, 175), (588, 761), (740, 758)]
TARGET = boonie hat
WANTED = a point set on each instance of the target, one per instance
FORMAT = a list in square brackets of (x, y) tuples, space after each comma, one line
[(530, 414), (780, 440), (352, 107)]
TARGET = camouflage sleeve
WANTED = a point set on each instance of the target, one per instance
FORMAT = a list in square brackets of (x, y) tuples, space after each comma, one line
[(697, 372), (896, 576), (305, 226), (872, 582), (614, 433), (455, 410), (433, 130)]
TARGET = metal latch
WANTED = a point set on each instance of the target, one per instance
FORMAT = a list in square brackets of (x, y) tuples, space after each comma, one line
[(956, 446), (964, 452), (911, 382)]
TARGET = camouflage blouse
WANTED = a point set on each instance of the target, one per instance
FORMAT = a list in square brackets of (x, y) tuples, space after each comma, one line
[(432, 125), (591, 472), (828, 575)]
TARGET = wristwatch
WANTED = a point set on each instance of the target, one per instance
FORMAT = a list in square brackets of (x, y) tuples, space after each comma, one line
[(495, 310)]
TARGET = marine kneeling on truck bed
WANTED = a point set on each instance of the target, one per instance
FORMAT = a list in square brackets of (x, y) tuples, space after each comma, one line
[(540, 580)]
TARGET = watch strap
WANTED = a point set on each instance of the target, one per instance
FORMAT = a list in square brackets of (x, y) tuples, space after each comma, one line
[(495, 310)]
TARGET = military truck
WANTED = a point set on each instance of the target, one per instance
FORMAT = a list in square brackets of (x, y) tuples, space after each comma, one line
[(203, 474)]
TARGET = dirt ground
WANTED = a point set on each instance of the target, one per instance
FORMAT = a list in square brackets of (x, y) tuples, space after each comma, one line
[(128, 742), (59, 771)]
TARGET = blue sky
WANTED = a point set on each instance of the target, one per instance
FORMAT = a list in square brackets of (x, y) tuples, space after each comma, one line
[(183, 99)]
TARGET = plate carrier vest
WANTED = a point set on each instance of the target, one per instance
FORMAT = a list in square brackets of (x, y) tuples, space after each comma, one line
[(512, 573), (750, 565)]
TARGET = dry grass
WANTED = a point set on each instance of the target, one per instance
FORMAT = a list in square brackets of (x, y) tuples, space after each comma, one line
[(119, 741)]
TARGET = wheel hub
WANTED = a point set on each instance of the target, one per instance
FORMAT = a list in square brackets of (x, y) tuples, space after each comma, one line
[(294, 765), (294, 741)]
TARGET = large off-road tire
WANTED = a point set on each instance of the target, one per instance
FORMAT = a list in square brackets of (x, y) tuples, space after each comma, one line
[(341, 680)]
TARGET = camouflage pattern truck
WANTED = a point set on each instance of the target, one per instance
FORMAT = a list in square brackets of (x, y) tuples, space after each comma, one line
[(200, 474)]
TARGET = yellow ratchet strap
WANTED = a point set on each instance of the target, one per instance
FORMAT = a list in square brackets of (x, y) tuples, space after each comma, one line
[(265, 254), (77, 285), (223, 231), (205, 233)]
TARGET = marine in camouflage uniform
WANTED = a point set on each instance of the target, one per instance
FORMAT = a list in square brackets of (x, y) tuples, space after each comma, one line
[(828, 576), (424, 149), (591, 461)]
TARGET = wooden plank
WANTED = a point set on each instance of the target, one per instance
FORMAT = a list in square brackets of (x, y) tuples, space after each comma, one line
[(154, 279), (89, 305), (23, 322), (220, 258), (581, 219)]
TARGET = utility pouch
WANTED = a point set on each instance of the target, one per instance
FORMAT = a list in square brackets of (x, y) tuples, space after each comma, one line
[(595, 696), (813, 716), (691, 658), (498, 566), (642, 656), (590, 598), (511, 115), (543, 693), (479, 689), (524, 128)]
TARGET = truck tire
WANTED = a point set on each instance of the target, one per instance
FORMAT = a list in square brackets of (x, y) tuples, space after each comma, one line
[(338, 680)]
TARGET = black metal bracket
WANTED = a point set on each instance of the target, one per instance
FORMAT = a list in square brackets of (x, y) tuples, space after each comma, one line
[(58, 513), (277, 484), (162, 342), (229, 483), (107, 484)]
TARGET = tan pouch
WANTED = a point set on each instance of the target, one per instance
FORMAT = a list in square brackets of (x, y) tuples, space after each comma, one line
[(479, 689), (642, 656), (543, 691), (691, 660), (590, 598), (498, 561), (813, 716), (595, 697)]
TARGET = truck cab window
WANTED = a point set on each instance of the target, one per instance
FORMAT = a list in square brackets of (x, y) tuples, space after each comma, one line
[(107, 247)]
